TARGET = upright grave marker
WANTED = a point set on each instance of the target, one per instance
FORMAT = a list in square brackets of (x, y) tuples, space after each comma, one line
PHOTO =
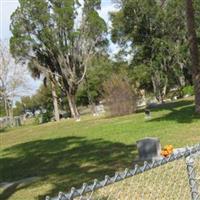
[(149, 149)]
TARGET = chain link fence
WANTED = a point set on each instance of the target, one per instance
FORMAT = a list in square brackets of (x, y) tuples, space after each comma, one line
[(197, 171), (175, 177), (193, 169)]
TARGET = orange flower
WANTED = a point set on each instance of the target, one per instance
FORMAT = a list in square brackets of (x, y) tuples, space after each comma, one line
[(168, 149)]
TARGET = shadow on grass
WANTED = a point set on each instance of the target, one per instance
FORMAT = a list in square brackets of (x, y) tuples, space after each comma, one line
[(172, 105), (65, 162), (10, 188), (167, 106), (2, 130), (181, 112), (8, 191)]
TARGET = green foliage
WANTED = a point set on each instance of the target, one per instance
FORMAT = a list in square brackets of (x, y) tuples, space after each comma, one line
[(188, 90), (37, 120), (18, 109), (2, 109), (41, 100), (47, 116), (157, 37), (141, 75), (43, 117), (43, 97), (99, 70)]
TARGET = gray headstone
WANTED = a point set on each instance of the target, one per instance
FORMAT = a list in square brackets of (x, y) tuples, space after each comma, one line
[(149, 149), (98, 110)]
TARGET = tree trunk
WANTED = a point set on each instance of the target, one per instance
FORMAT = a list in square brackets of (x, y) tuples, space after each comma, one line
[(72, 105), (11, 110), (164, 89), (55, 100), (194, 52), (181, 77), (6, 107), (156, 89), (159, 88), (181, 80), (70, 91)]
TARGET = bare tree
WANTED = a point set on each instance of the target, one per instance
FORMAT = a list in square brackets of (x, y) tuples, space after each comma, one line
[(13, 79), (194, 51), (120, 97)]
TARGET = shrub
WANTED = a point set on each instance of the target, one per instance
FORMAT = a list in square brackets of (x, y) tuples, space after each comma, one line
[(188, 90), (47, 116), (43, 118), (119, 96), (37, 120)]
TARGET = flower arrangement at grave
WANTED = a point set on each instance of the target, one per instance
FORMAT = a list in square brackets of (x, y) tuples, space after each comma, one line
[(167, 150)]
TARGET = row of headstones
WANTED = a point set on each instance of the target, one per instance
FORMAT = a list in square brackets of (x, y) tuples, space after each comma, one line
[(10, 122)]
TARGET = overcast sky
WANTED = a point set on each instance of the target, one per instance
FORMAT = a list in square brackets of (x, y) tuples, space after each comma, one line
[(7, 7)]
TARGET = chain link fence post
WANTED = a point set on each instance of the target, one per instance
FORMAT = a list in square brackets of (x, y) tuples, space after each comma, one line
[(192, 178)]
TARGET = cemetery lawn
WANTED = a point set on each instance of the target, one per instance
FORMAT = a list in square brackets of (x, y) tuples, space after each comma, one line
[(67, 153)]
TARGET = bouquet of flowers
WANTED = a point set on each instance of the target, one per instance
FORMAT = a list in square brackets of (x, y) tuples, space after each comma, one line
[(167, 150)]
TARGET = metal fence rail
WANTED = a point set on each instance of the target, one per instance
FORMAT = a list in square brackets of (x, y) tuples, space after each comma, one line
[(175, 177)]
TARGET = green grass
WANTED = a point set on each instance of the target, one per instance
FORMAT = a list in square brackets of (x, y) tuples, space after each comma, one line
[(68, 153)]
